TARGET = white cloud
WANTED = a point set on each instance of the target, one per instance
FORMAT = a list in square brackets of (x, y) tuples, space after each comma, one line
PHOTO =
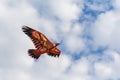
[(14, 43), (81, 67), (103, 30), (77, 70), (74, 44), (108, 69), (49, 68), (66, 10), (102, 70), (116, 5), (15, 74), (106, 33), (106, 30)]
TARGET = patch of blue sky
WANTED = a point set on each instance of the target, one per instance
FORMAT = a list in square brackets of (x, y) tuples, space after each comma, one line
[(78, 56), (99, 50), (90, 51), (93, 8), (90, 15)]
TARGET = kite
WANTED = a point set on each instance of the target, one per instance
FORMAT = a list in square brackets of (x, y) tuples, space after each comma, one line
[(41, 43)]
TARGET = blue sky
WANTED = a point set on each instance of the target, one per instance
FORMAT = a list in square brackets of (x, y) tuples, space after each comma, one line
[(87, 29)]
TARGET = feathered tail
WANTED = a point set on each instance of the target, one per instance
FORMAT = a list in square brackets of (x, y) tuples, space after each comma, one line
[(34, 53)]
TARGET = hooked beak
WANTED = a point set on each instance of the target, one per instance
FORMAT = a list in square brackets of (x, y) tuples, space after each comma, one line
[(56, 44)]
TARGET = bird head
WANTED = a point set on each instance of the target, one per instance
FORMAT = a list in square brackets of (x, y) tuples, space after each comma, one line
[(56, 44)]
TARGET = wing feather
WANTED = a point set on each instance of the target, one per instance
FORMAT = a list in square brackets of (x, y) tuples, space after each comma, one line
[(39, 40), (54, 52)]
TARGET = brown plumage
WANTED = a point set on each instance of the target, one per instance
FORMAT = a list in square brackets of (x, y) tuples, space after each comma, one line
[(41, 43)]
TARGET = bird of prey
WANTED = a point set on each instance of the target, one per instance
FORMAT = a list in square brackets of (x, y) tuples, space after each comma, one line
[(41, 43)]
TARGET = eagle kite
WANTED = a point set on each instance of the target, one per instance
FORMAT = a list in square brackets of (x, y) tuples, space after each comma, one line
[(41, 43)]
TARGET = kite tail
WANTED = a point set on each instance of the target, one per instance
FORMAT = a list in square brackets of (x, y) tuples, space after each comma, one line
[(34, 53)]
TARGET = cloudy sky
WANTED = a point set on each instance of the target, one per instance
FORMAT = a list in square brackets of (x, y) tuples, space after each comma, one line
[(88, 31)]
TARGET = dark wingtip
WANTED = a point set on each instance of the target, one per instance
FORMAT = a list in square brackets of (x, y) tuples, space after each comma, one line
[(54, 55), (25, 27), (26, 30)]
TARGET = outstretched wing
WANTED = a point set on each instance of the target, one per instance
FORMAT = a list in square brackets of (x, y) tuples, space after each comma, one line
[(39, 40), (54, 52)]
